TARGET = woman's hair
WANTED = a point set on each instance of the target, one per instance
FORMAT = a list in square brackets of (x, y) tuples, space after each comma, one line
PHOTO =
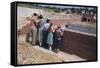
[(40, 17), (48, 20)]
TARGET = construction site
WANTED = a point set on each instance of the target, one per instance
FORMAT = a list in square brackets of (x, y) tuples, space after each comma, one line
[(79, 41)]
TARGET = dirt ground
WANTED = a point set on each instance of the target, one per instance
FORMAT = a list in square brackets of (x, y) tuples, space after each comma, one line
[(28, 54)]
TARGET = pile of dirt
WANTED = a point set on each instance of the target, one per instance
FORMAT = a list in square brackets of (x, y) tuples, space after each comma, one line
[(27, 54)]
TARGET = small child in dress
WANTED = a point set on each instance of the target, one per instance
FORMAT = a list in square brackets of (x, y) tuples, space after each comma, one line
[(50, 37)]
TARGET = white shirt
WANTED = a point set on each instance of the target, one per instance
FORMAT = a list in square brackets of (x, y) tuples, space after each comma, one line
[(46, 26)]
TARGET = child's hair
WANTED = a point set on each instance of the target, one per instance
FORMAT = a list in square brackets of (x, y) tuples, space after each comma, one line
[(50, 27), (59, 27)]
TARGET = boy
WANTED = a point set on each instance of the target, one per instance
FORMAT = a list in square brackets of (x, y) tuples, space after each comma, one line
[(57, 38)]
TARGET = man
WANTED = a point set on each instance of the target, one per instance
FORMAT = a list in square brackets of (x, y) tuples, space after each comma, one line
[(34, 20)]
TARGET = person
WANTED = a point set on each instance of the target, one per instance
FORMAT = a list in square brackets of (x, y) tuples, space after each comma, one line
[(40, 29), (57, 38), (50, 37), (45, 33), (46, 25), (34, 21)]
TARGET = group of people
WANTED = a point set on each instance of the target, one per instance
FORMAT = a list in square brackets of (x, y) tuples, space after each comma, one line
[(43, 34)]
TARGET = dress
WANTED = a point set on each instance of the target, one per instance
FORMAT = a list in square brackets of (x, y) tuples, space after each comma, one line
[(50, 38), (40, 30)]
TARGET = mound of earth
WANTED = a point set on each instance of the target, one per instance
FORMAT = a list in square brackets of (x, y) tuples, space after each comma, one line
[(27, 54)]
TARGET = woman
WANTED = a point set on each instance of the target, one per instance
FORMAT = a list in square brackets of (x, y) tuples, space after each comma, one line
[(46, 26), (40, 29)]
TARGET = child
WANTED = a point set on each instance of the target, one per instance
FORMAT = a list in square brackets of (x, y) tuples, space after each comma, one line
[(57, 38), (50, 38)]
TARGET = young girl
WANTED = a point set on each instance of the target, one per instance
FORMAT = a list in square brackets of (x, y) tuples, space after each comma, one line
[(50, 37)]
